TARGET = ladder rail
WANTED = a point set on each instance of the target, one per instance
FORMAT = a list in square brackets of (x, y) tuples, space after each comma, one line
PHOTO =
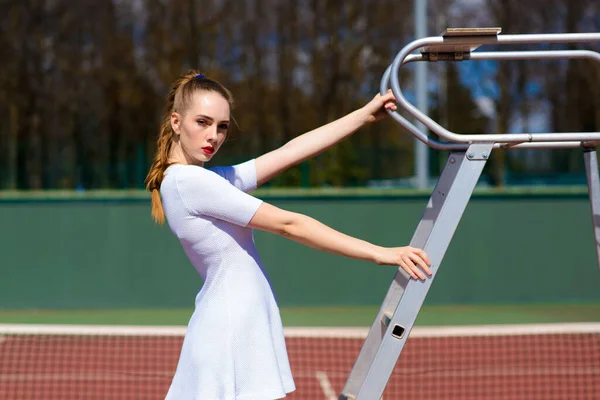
[(593, 180), (394, 321)]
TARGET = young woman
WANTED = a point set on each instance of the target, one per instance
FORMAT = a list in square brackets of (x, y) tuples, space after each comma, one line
[(234, 347)]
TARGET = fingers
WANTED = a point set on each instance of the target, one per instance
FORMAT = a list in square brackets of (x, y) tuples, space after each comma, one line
[(421, 253), (380, 104), (389, 101), (409, 266), (420, 262), (425, 257), (415, 262), (390, 106), (389, 95)]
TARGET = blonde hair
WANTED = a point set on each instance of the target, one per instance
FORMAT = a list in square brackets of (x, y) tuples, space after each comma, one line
[(178, 100)]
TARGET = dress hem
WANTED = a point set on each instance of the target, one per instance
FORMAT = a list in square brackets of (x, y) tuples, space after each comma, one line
[(266, 395)]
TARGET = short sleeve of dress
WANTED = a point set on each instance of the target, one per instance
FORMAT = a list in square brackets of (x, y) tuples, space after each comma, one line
[(205, 193), (242, 176)]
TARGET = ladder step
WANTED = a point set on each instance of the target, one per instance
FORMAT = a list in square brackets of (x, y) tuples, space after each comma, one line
[(385, 319)]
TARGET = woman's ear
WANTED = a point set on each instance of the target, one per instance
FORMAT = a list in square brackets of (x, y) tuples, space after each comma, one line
[(175, 122)]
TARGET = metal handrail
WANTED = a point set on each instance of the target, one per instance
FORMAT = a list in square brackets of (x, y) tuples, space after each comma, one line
[(462, 141)]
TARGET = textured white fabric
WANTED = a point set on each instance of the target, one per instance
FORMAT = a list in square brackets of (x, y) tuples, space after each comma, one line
[(234, 347)]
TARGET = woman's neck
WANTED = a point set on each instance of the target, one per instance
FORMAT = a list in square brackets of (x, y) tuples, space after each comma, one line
[(178, 156)]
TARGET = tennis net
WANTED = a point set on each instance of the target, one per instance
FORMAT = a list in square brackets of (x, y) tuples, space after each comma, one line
[(512, 362)]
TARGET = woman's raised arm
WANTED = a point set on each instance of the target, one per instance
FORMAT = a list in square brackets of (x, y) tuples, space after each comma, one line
[(318, 140)]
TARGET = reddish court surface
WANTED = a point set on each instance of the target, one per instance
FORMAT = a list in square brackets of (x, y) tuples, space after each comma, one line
[(545, 367)]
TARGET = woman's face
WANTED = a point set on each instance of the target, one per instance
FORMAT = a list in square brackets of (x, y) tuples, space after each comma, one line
[(202, 128)]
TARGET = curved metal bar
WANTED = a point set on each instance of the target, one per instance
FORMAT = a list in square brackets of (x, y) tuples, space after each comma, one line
[(485, 138), (409, 59), (406, 124), (514, 55)]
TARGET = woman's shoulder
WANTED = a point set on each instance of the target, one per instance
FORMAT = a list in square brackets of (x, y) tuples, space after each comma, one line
[(191, 178), (181, 172), (242, 175)]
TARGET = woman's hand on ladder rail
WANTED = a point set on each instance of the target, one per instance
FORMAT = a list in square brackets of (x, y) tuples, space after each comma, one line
[(412, 260)]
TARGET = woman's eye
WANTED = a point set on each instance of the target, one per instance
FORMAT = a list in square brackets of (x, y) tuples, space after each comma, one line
[(201, 122), (225, 127)]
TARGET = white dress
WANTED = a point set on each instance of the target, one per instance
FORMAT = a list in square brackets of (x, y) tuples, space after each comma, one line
[(234, 347)]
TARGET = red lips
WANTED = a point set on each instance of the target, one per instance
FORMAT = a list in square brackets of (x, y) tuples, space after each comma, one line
[(208, 150)]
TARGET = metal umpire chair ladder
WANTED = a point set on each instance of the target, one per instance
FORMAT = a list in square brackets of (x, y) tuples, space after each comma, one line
[(468, 155)]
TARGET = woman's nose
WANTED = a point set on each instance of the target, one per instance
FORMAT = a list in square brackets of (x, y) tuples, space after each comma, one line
[(212, 134)]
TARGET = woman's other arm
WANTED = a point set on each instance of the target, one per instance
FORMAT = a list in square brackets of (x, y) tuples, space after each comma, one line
[(312, 233)]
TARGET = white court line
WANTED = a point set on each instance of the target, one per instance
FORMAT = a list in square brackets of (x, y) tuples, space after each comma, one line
[(303, 332), (86, 376), (326, 385)]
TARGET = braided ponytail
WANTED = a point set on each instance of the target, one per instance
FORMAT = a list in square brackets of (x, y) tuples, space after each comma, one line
[(161, 159)]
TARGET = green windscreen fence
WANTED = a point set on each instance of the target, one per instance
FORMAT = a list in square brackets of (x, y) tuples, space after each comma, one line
[(102, 250)]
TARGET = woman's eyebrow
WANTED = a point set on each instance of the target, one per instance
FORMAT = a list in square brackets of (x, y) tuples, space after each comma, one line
[(205, 116), (210, 118)]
